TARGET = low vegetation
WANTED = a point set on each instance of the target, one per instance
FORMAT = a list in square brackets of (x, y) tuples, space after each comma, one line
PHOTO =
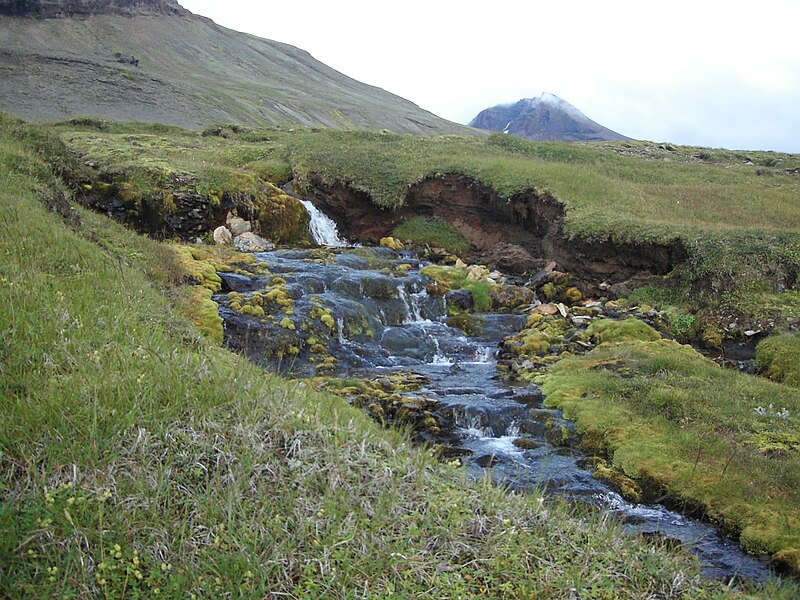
[(436, 233), (718, 442), (778, 358), (138, 457)]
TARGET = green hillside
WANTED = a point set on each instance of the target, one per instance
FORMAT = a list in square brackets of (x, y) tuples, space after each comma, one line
[(185, 70)]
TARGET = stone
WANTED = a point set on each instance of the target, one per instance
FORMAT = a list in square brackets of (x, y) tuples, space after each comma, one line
[(223, 236), (250, 242), (509, 297), (476, 273), (497, 276), (460, 299), (460, 264), (390, 242), (511, 258), (238, 226), (545, 309)]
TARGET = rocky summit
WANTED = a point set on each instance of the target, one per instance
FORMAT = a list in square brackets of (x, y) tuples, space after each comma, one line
[(154, 61), (545, 118), (69, 8)]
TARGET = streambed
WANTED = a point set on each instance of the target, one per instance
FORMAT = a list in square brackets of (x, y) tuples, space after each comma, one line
[(368, 313)]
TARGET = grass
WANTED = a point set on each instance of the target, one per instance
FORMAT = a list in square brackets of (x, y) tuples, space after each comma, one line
[(717, 440), (139, 458), (436, 233), (735, 213), (455, 278)]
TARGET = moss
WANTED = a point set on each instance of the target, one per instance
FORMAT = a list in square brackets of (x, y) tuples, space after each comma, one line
[(287, 323), (196, 304), (200, 271), (525, 444), (465, 322), (324, 315), (393, 243), (670, 419), (607, 331), (627, 487), (436, 233), (778, 358), (252, 310), (280, 217), (572, 296), (454, 278), (787, 560), (713, 337), (540, 335)]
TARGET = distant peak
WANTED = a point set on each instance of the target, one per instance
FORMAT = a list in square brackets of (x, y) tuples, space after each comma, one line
[(545, 117), (49, 9)]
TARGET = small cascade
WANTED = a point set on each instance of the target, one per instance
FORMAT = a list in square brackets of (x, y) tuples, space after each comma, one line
[(472, 422), (322, 228), (411, 304)]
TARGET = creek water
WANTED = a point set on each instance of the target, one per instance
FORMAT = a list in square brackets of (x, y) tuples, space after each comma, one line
[(385, 320)]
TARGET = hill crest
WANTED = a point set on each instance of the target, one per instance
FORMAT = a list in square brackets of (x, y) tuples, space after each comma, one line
[(50, 9)]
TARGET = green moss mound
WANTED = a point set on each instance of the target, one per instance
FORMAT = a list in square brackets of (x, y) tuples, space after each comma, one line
[(280, 217), (778, 358), (455, 278), (608, 331)]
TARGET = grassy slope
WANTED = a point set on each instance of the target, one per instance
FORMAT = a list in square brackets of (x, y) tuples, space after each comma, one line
[(716, 439), (605, 192), (739, 221), (136, 456), (191, 72)]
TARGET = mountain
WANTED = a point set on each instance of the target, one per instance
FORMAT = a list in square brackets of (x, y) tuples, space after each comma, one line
[(152, 60), (545, 118)]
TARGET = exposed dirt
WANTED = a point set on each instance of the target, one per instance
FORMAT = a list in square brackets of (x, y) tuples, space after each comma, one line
[(531, 221)]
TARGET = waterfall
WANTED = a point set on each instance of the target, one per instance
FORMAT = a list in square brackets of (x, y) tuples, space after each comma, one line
[(322, 228)]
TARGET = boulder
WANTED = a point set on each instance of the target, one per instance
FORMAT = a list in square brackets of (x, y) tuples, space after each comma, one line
[(250, 242), (393, 243), (223, 236), (238, 226), (460, 299), (476, 272), (509, 297), (512, 259), (545, 309)]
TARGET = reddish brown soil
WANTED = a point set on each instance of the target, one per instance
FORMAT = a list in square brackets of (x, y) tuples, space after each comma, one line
[(530, 220)]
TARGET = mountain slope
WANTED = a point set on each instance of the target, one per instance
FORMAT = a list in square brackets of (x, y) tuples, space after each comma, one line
[(545, 118), (151, 60)]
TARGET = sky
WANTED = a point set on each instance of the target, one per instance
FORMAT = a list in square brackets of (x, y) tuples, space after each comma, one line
[(707, 73)]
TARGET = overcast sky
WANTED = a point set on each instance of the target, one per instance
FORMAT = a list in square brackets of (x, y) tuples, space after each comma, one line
[(710, 73)]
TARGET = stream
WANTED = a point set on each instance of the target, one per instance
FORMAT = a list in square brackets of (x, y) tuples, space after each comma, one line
[(383, 320)]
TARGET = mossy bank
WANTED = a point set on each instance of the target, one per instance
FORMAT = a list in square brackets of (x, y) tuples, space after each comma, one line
[(714, 233)]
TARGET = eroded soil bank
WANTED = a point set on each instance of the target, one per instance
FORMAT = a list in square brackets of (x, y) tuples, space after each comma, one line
[(497, 227)]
